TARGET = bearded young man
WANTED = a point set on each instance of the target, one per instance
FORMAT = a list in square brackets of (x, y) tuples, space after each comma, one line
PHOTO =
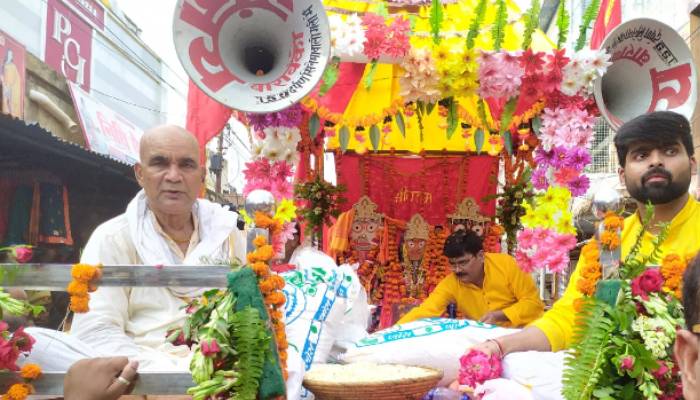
[(656, 157)]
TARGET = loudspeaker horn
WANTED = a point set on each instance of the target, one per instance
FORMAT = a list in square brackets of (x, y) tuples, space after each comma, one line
[(652, 70), (255, 56)]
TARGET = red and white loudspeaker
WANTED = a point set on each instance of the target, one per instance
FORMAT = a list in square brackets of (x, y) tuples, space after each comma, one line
[(652, 70), (255, 56)]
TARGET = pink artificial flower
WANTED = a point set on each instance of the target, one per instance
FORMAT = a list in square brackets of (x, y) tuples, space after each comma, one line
[(500, 75), (661, 371), (210, 348), (532, 62), (524, 262), (22, 254), (8, 355), (565, 175), (3, 327), (627, 363), (477, 368), (22, 340), (557, 261), (649, 281)]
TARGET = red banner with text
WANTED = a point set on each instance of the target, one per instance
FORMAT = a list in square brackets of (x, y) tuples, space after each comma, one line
[(430, 186), (68, 43)]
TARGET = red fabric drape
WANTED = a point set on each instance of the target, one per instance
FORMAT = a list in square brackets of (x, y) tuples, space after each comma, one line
[(609, 16), (403, 186), (206, 117)]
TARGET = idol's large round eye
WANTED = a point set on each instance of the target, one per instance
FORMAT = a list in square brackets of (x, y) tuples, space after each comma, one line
[(411, 244), (356, 227), (421, 244), (371, 227)]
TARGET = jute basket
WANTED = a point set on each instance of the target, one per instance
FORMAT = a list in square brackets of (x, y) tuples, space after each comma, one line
[(394, 389)]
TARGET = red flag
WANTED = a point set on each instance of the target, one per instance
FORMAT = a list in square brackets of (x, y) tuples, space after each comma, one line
[(609, 16), (206, 117)]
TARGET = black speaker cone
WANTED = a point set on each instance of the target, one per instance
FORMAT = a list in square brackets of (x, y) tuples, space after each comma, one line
[(258, 60)]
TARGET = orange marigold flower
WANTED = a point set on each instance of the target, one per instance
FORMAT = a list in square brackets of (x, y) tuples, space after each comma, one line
[(263, 253), (30, 371), (613, 221), (259, 241), (19, 391), (77, 288), (578, 304), (83, 272), (609, 239), (586, 286), (79, 304), (260, 268), (278, 281), (590, 251), (266, 286), (263, 220), (277, 299), (275, 315)]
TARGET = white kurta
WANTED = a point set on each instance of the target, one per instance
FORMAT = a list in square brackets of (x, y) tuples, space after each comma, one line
[(134, 321)]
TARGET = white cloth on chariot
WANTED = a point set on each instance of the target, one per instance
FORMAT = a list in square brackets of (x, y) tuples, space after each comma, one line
[(133, 321)]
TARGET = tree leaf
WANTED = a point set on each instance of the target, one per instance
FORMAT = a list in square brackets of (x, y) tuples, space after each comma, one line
[(429, 108), (330, 77), (452, 118), (400, 123), (532, 22), (507, 114), (499, 25), (588, 16), (374, 137), (562, 24), (314, 124), (479, 14), (370, 75), (479, 140), (508, 142), (344, 138), (436, 17)]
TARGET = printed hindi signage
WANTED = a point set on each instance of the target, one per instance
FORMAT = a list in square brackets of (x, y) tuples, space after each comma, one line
[(68, 43), (106, 131), (90, 10), (12, 77)]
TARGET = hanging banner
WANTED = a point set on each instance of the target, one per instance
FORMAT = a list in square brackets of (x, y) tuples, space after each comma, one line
[(12, 78), (68, 44), (432, 187), (106, 131), (90, 10)]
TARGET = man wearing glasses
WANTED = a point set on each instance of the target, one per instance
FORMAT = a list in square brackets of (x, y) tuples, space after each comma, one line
[(488, 287)]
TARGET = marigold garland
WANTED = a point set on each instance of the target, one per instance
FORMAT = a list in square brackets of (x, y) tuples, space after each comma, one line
[(592, 270), (612, 224), (672, 269), (81, 285), (20, 391), (271, 286)]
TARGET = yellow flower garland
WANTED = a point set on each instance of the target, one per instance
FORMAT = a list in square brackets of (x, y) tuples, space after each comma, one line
[(81, 285)]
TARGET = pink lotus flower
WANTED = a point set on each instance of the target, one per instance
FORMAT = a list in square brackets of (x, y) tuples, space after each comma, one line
[(477, 368), (627, 363), (210, 348), (22, 254), (648, 282)]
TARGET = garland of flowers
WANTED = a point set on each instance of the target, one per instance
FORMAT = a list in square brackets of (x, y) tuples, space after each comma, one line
[(549, 233), (368, 271), (271, 286), (476, 368), (28, 372), (320, 202), (82, 285), (440, 264), (624, 349)]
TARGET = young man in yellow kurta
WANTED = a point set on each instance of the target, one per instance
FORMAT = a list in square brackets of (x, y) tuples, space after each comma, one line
[(487, 287), (655, 152)]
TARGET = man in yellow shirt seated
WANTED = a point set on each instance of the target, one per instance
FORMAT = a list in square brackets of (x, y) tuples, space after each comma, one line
[(655, 153), (488, 287)]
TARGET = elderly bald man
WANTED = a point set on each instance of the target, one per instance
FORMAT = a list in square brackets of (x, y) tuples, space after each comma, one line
[(164, 224)]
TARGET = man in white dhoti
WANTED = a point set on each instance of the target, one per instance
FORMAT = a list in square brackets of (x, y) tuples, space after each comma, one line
[(164, 224)]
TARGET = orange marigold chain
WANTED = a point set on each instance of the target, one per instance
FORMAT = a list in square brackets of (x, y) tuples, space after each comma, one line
[(82, 285), (672, 269), (20, 391), (271, 286), (591, 271), (612, 225)]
